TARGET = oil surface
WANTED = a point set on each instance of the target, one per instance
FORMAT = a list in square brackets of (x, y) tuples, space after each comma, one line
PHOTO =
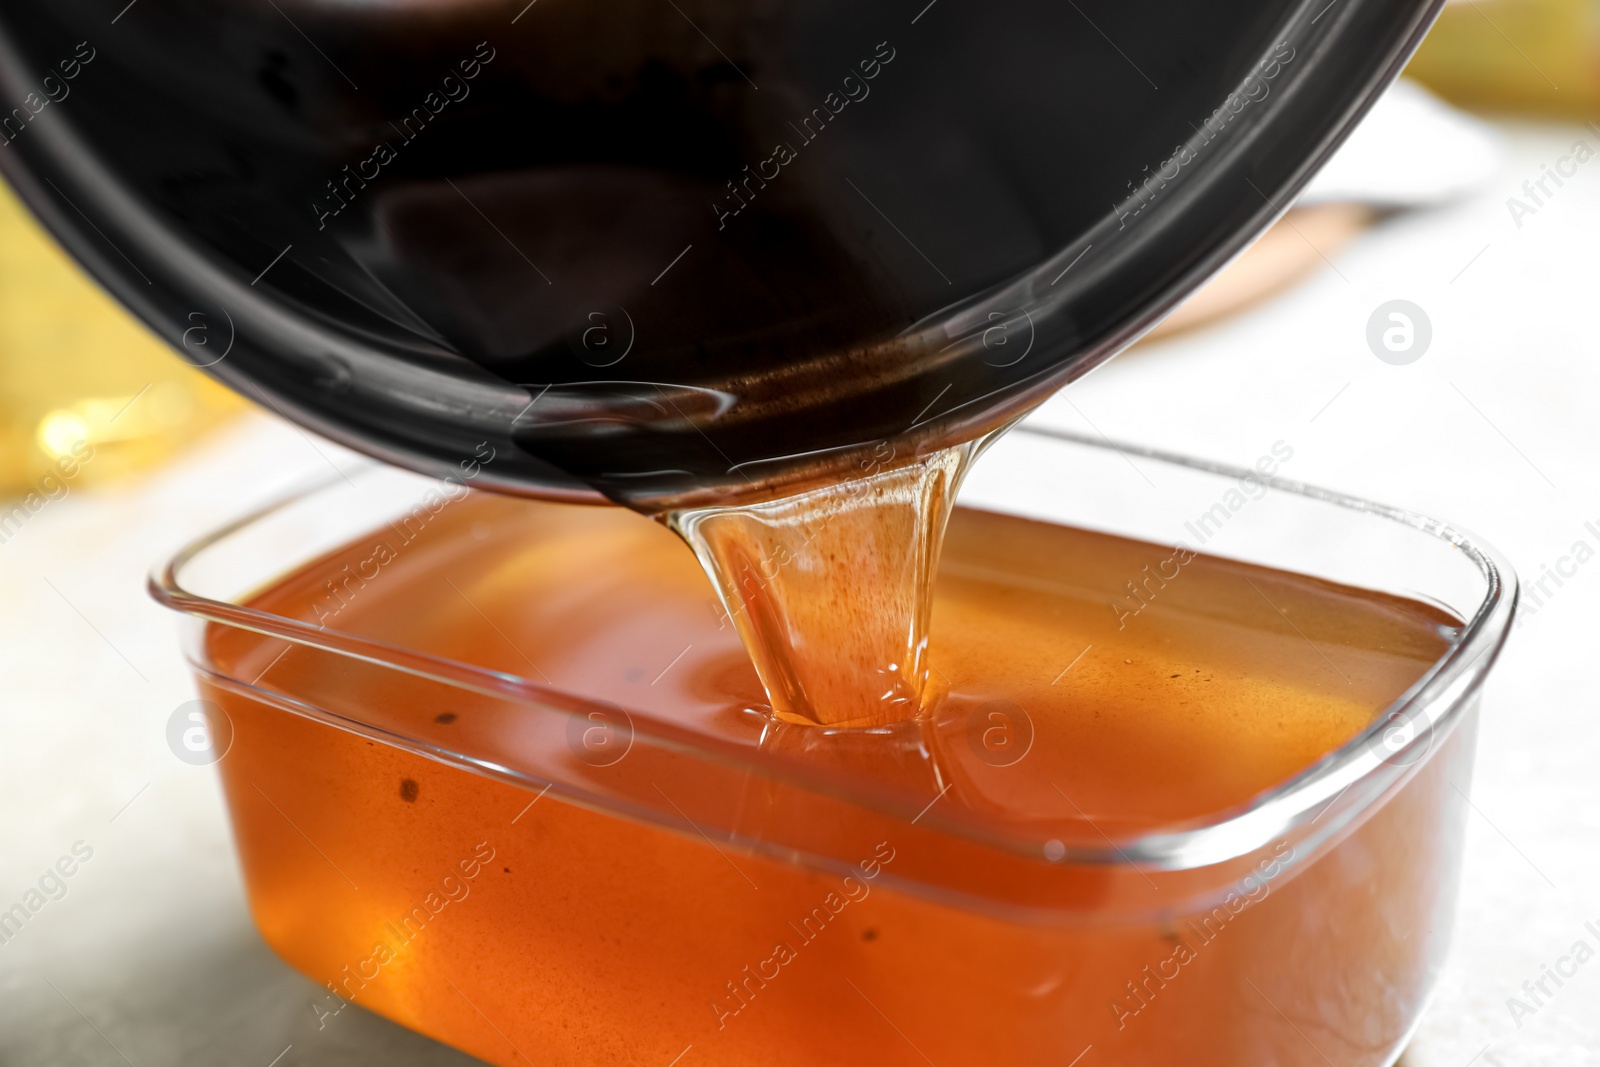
[(1226, 681)]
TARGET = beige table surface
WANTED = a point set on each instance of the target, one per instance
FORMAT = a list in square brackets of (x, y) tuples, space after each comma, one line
[(150, 959)]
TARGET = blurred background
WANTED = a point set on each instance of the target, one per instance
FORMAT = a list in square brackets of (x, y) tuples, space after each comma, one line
[(1471, 195)]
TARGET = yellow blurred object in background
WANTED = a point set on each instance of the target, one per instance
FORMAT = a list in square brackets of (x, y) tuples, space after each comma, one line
[(1515, 55), (75, 369)]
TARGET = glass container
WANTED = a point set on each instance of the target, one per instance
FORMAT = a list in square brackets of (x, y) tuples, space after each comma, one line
[(545, 899)]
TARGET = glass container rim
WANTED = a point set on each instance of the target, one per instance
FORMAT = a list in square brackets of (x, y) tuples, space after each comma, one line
[(1432, 706)]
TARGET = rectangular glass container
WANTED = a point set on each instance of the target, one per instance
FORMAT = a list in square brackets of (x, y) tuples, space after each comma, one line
[(529, 902)]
